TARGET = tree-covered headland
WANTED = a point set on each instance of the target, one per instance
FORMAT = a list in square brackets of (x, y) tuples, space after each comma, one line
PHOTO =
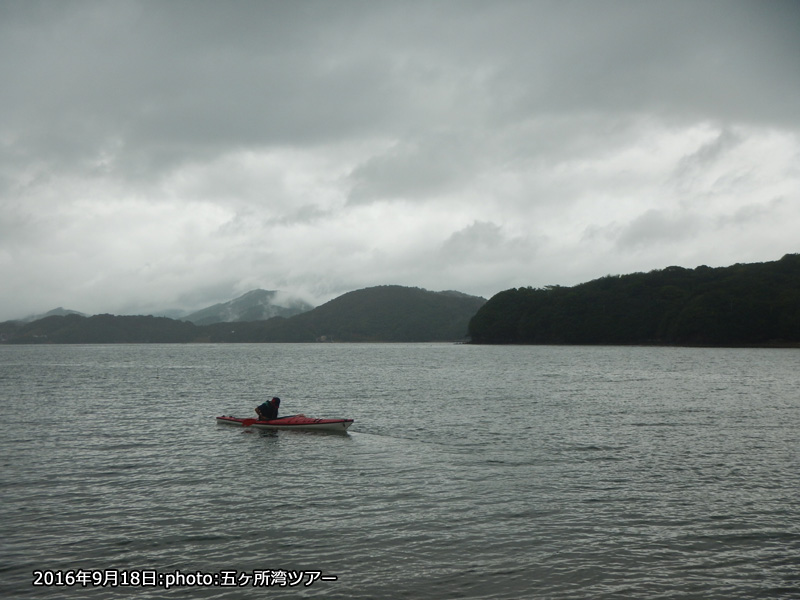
[(740, 305)]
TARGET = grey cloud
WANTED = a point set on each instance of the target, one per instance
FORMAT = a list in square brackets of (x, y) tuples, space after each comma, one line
[(476, 238), (656, 227), (410, 170), (708, 154), (712, 151), (484, 241), (168, 81), (751, 213), (163, 81)]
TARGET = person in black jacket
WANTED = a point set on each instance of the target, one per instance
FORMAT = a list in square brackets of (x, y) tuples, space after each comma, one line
[(268, 410)]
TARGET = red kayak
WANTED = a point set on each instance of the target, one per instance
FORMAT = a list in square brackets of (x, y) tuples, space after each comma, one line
[(292, 422)]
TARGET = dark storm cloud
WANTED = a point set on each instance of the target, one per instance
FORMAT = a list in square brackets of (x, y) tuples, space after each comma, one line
[(159, 81), (154, 83)]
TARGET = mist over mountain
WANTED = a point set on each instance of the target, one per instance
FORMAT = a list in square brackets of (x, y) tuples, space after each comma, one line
[(255, 305)]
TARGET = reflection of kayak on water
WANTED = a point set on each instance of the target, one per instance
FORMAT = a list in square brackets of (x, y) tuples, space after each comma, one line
[(291, 422)]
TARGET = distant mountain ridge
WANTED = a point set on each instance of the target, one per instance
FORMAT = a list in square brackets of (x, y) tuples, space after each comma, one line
[(56, 312), (379, 314), (255, 305)]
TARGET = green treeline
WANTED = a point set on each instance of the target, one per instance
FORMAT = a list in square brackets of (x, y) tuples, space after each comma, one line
[(745, 304)]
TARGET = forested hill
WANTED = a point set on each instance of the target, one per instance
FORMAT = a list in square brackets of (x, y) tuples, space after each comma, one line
[(390, 312), (741, 305), (379, 314)]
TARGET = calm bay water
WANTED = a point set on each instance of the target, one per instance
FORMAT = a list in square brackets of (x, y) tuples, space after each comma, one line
[(470, 472)]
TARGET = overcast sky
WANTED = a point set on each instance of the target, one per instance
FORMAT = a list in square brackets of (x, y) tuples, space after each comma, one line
[(159, 155)]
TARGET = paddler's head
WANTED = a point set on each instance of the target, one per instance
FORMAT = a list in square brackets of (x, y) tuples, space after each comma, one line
[(276, 401)]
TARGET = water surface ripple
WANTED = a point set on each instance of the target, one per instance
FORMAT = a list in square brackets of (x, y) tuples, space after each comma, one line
[(470, 472)]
